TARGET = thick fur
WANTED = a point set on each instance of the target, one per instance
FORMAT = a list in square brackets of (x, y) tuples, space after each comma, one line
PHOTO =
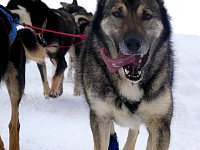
[(134, 28), (52, 19), (12, 70)]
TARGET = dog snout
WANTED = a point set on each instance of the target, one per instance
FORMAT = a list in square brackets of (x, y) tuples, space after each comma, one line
[(133, 43)]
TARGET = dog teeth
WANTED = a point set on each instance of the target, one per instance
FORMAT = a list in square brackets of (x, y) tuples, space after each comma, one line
[(126, 71)]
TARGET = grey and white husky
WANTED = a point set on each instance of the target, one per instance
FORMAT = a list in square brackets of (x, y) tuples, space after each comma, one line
[(126, 71)]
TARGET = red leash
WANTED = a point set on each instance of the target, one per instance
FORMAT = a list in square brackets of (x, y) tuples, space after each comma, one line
[(81, 36)]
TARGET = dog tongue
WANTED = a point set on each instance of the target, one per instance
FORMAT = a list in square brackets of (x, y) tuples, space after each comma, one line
[(122, 60)]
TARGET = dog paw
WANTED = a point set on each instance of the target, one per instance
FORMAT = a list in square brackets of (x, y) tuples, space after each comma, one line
[(55, 94), (76, 91), (46, 90), (46, 94), (56, 89)]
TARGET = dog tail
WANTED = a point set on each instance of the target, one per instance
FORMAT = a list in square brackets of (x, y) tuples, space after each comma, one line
[(4, 48), (33, 50)]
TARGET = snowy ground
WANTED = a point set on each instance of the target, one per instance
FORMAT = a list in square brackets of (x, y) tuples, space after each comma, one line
[(63, 123)]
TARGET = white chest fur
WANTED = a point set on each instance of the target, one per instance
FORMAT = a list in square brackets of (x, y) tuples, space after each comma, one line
[(130, 90), (121, 116)]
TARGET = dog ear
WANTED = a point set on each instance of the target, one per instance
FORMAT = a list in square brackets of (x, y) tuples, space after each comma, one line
[(65, 5), (160, 3), (22, 8), (75, 3)]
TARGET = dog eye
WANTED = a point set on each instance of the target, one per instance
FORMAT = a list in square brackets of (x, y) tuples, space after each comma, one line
[(146, 16), (117, 14)]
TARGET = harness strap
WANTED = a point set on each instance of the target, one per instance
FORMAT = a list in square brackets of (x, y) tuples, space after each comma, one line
[(13, 23)]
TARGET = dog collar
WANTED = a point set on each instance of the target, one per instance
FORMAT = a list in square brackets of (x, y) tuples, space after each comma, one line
[(122, 60), (13, 23)]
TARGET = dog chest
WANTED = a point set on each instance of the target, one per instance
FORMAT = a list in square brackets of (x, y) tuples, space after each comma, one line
[(106, 110), (129, 90)]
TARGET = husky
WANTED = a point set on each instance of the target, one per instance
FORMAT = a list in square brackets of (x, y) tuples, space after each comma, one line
[(126, 69), (15, 49), (81, 15), (83, 19), (52, 19)]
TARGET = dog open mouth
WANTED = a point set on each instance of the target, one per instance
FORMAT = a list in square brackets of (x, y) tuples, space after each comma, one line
[(132, 72), (131, 64)]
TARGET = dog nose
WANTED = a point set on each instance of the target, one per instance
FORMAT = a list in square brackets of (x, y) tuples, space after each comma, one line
[(133, 43)]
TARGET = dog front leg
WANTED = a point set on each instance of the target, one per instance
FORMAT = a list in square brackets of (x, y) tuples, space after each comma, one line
[(1, 144), (159, 134), (56, 86), (131, 139), (100, 130), (15, 82), (57, 80), (45, 83), (72, 64)]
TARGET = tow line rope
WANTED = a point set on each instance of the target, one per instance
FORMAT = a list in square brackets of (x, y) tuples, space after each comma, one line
[(81, 36)]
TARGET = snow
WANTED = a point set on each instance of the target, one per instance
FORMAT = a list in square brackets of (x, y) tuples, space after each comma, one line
[(63, 123)]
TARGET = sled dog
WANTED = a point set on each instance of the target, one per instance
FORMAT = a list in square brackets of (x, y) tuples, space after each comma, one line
[(42, 16), (126, 71), (83, 20), (15, 48)]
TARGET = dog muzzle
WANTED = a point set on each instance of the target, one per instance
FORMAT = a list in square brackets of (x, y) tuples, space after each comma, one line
[(129, 63)]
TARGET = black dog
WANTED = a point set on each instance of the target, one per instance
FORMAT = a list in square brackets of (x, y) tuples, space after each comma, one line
[(83, 19), (81, 15), (14, 46), (58, 20)]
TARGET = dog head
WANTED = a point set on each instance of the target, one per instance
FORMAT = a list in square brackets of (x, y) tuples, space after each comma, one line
[(36, 9), (13, 4), (132, 30), (81, 16), (22, 14)]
